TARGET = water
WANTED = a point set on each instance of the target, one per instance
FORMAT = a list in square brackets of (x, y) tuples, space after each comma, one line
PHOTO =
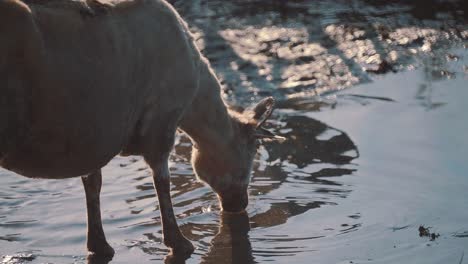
[(361, 170)]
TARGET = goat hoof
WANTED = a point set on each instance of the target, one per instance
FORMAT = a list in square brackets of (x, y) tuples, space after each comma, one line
[(183, 248), (175, 259), (98, 259), (102, 251)]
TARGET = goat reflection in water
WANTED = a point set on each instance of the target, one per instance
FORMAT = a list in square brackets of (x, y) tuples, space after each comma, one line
[(232, 241), (230, 245)]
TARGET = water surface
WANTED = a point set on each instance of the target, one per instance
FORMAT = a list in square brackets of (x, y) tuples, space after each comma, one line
[(373, 151)]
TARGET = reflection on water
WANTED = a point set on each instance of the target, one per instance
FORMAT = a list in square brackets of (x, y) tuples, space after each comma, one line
[(231, 244), (289, 49), (289, 179), (311, 142), (305, 165), (306, 48)]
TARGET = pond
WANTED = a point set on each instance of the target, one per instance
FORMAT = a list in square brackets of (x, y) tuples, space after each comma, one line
[(371, 99)]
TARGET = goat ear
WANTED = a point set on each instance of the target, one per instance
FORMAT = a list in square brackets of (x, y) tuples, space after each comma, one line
[(262, 111)]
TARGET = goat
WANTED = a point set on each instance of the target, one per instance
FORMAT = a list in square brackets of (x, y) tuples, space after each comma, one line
[(84, 81)]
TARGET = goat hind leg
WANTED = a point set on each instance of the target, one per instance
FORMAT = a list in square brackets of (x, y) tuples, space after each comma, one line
[(96, 240)]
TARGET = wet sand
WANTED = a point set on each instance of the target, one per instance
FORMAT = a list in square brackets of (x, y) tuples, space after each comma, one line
[(365, 164)]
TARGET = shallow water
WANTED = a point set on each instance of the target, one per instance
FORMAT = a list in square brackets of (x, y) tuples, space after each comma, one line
[(361, 170)]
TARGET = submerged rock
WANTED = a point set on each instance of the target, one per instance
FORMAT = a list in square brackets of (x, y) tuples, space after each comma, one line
[(425, 232)]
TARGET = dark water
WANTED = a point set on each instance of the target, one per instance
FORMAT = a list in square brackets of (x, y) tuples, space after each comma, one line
[(361, 170)]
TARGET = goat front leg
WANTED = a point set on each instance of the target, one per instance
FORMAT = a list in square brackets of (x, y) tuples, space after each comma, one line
[(173, 238), (96, 240)]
